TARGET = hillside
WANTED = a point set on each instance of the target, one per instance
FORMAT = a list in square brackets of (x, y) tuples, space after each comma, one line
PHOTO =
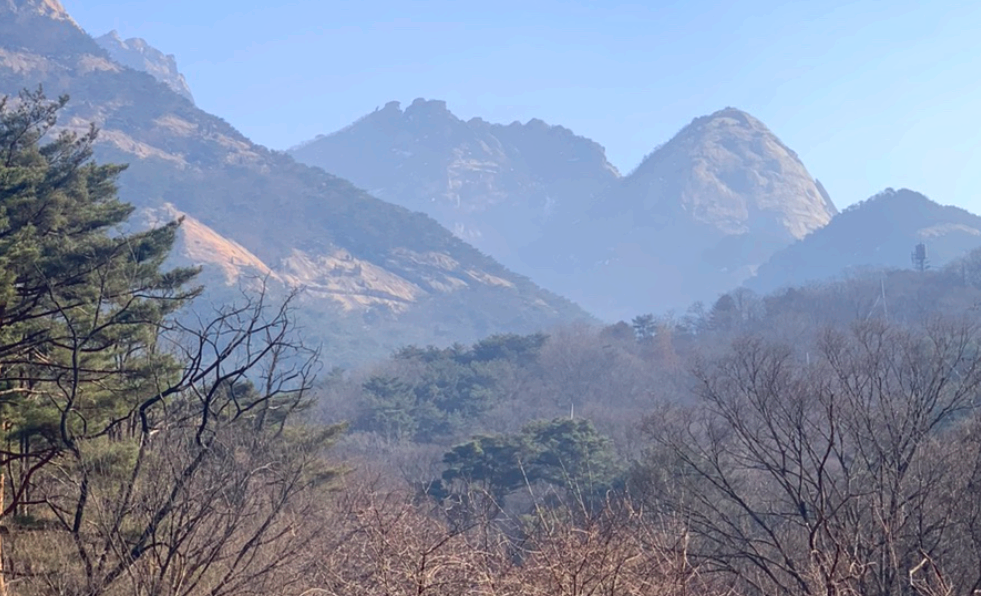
[(377, 275), (880, 232)]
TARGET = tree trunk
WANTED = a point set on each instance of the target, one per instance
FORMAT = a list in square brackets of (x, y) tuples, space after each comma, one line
[(3, 489)]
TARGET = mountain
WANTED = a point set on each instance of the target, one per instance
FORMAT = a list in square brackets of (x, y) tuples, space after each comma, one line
[(498, 187), (376, 275), (880, 232), (137, 54), (730, 173), (25, 9), (694, 219), (697, 216)]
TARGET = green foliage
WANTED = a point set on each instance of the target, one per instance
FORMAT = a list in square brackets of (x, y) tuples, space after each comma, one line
[(124, 432), (571, 454), (644, 327), (568, 455), (392, 409), (80, 303), (496, 464), (452, 387)]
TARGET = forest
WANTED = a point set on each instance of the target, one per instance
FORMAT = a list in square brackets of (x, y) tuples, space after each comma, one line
[(823, 439)]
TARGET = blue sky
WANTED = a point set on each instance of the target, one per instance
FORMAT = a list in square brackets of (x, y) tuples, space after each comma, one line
[(871, 94)]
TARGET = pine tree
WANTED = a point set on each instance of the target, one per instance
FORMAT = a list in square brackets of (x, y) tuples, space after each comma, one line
[(116, 420), (80, 302)]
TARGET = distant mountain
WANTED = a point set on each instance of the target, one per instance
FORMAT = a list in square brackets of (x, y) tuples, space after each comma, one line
[(729, 173), (137, 54), (694, 219), (880, 232), (498, 187), (377, 275)]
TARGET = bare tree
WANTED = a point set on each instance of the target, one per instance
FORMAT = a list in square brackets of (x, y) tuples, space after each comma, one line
[(388, 542), (192, 488), (835, 475)]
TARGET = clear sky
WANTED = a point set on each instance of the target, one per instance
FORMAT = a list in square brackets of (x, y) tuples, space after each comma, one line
[(871, 94)]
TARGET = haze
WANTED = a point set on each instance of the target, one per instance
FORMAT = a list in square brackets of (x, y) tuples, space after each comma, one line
[(507, 300), (870, 94)]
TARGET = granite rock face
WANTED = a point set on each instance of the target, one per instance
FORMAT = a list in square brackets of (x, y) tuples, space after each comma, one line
[(694, 219), (137, 54), (498, 187)]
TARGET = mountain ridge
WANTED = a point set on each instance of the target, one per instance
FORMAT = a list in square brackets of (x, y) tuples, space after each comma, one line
[(880, 231), (315, 226), (137, 54), (724, 190)]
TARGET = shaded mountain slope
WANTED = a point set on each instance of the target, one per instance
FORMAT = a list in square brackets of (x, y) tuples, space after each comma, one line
[(369, 267), (879, 232)]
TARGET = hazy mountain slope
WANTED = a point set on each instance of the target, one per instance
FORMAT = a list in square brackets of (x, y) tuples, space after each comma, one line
[(499, 187), (137, 54), (728, 172), (694, 219), (377, 274), (881, 231)]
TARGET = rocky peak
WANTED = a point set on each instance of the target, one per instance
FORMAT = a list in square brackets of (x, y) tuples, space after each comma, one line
[(728, 171), (494, 185), (46, 8), (31, 30), (553, 149), (430, 107), (139, 55)]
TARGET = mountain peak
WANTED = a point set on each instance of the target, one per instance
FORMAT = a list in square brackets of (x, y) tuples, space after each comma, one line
[(46, 8), (739, 177), (731, 119), (877, 232), (494, 185), (428, 108), (731, 111), (137, 54)]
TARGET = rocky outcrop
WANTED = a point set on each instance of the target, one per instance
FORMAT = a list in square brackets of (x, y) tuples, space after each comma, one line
[(694, 219), (51, 9), (137, 54), (498, 187), (729, 173)]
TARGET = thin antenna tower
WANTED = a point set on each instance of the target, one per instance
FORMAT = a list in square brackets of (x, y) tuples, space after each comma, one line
[(919, 257)]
